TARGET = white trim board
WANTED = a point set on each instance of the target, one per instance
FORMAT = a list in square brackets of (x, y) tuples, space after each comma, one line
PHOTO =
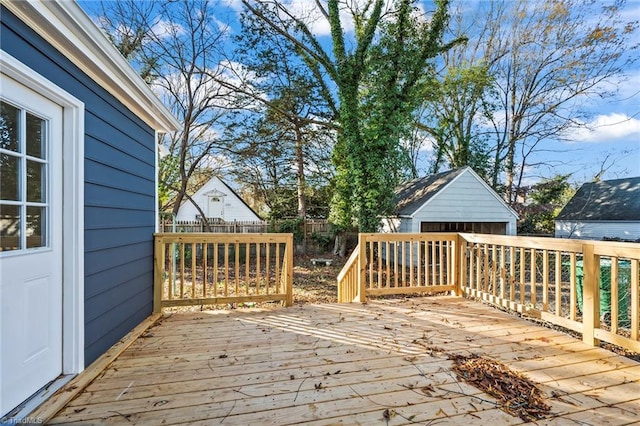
[(73, 208), (67, 27)]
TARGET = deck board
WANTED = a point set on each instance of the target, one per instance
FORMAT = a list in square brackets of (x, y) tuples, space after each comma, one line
[(347, 364)]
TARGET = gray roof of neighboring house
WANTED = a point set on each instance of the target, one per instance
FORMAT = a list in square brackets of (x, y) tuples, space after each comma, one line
[(413, 194), (617, 199)]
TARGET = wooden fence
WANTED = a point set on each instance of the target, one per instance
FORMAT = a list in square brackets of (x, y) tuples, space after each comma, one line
[(591, 287), (311, 226), (208, 269)]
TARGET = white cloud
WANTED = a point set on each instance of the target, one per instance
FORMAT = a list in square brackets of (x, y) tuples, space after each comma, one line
[(606, 128), (163, 29), (233, 4)]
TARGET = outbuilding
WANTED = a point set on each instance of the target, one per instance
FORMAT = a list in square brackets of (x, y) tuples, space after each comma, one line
[(78, 199), (454, 201), (609, 209), (216, 200)]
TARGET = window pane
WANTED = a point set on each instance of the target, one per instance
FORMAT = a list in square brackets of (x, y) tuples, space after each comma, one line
[(9, 177), (9, 227), (35, 136), (36, 182), (36, 227), (9, 120)]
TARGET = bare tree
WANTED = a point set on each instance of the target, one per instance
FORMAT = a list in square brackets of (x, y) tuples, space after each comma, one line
[(545, 58), (177, 47), (559, 52)]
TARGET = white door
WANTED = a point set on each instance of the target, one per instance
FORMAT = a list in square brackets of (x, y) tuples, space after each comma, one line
[(30, 243), (216, 207)]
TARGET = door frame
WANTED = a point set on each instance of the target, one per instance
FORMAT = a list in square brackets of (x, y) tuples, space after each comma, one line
[(72, 207)]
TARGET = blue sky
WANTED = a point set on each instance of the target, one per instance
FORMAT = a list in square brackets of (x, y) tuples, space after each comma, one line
[(611, 142)]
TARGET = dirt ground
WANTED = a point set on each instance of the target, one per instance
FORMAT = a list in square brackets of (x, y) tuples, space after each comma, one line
[(316, 283)]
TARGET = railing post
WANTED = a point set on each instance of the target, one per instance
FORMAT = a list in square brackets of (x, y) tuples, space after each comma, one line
[(590, 295), (459, 262), (158, 276), (289, 270), (362, 266)]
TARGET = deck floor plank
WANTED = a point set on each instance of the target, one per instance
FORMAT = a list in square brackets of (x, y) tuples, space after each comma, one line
[(347, 364)]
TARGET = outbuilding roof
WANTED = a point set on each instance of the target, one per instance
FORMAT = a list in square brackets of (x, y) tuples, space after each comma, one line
[(607, 200), (413, 194)]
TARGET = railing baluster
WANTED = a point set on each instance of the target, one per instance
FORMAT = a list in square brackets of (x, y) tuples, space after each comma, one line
[(172, 257), (205, 271), (277, 271), (181, 270), (379, 264), (267, 264), (558, 283), (523, 263), (534, 277), (512, 274), (503, 272), (545, 280), (441, 259), (572, 288), (613, 287), (236, 265), (247, 248), (193, 269), (387, 255), (258, 255), (635, 300), (411, 264)]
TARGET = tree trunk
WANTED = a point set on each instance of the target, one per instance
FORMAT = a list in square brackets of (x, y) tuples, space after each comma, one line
[(301, 183)]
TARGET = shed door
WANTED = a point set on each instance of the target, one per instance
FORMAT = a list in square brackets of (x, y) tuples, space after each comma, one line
[(30, 243), (216, 207)]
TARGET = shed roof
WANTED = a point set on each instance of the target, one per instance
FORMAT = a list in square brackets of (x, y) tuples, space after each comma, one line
[(413, 194), (617, 199)]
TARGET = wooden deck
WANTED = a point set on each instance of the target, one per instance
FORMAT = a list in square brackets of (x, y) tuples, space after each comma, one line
[(347, 364)]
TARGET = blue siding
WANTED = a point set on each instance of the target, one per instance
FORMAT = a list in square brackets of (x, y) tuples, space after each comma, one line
[(119, 194)]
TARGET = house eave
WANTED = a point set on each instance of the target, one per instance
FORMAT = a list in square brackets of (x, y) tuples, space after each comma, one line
[(67, 27)]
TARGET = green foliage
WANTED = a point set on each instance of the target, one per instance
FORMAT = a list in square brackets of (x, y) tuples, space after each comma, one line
[(324, 241), (293, 226), (547, 198), (377, 76), (458, 101), (380, 84)]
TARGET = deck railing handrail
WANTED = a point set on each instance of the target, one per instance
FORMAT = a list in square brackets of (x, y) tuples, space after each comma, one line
[(348, 279), (557, 280), (216, 268)]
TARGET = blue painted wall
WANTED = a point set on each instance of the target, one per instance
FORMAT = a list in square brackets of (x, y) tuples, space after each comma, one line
[(119, 194)]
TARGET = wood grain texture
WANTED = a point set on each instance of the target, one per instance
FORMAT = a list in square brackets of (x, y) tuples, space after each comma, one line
[(347, 364)]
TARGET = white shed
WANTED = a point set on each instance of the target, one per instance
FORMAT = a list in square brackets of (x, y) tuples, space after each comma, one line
[(599, 210), (217, 200), (455, 201)]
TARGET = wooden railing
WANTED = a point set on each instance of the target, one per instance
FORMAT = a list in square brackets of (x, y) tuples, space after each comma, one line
[(560, 281), (557, 280), (399, 264), (209, 269)]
